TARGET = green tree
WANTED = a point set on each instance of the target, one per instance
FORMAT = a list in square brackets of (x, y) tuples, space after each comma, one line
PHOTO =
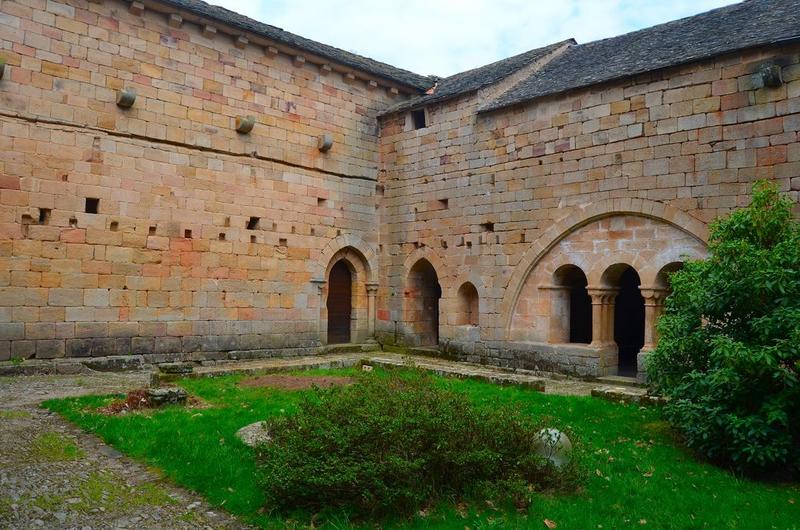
[(729, 350)]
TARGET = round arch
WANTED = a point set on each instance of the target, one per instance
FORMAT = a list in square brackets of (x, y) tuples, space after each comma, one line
[(352, 245), (577, 218)]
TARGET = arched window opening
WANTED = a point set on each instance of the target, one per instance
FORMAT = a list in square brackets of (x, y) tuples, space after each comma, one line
[(663, 278), (467, 311), (572, 307)]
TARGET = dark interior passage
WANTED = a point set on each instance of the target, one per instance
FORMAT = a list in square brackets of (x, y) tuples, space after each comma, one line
[(340, 303), (629, 321), (580, 308), (423, 303)]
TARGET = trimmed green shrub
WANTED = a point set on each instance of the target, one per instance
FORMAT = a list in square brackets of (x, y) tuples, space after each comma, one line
[(393, 444), (729, 349)]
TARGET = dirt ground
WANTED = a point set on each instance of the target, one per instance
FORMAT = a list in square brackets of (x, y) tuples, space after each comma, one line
[(291, 382)]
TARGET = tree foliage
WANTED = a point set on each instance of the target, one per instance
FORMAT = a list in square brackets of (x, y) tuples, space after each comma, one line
[(728, 356)]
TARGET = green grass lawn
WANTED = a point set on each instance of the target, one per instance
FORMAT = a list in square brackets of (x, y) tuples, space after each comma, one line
[(638, 476)]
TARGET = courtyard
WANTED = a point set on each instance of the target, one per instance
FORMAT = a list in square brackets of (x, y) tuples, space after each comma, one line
[(184, 467)]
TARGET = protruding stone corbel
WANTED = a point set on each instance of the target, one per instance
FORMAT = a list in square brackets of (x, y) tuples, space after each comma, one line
[(125, 98), (136, 8), (245, 124), (241, 42), (372, 85), (298, 61), (325, 69), (349, 78), (271, 50), (324, 142), (209, 31), (771, 75), (175, 20), (393, 92)]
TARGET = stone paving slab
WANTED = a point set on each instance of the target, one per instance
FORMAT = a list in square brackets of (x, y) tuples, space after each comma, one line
[(92, 486)]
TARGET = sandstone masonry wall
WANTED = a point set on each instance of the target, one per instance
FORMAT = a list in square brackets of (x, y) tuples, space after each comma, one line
[(484, 196), (167, 265)]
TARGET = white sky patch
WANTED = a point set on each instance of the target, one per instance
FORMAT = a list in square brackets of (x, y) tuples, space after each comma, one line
[(443, 37)]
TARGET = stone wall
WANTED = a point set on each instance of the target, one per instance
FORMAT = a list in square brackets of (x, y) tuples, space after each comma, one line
[(498, 199), (205, 240)]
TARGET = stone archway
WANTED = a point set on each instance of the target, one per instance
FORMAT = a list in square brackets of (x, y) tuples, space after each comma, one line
[(422, 296), (357, 305), (570, 307), (340, 303), (628, 316), (572, 221), (604, 248)]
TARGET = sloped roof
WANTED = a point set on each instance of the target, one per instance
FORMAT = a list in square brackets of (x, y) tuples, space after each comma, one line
[(365, 64), (745, 25), (477, 78)]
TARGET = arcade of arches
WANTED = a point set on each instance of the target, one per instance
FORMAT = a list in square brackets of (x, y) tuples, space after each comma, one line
[(590, 301), (597, 293)]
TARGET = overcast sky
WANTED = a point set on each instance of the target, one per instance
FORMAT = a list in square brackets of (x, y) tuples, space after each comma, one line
[(443, 37)]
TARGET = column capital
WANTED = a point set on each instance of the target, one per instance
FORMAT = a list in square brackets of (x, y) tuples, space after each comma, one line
[(320, 284), (602, 295), (372, 288), (653, 295)]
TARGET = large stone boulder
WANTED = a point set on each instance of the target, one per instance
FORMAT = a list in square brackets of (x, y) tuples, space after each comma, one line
[(254, 434), (554, 445)]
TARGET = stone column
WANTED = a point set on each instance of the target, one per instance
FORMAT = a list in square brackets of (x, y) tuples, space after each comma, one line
[(653, 307), (372, 291), (320, 285), (602, 315)]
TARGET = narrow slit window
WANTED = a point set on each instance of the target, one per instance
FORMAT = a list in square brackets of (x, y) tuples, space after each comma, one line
[(418, 119), (44, 216), (187, 234)]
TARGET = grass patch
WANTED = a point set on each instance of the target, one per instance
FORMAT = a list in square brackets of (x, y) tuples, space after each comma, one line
[(104, 490), (55, 447), (14, 414), (639, 477)]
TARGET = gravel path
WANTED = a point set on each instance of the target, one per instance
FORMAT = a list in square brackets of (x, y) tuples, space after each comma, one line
[(54, 476)]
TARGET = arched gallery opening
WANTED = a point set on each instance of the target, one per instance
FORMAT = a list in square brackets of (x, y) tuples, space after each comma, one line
[(628, 321), (571, 306), (422, 303), (340, 303), (468, 306)]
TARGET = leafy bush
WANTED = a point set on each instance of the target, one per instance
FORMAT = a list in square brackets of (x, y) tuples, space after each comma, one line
[(729, 349), (392, 444)]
